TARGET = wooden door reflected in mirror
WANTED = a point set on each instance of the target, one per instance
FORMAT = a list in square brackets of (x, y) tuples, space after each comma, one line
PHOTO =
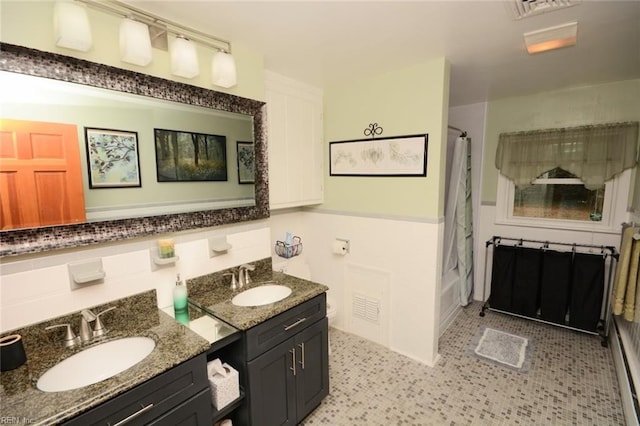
[(40, 175)]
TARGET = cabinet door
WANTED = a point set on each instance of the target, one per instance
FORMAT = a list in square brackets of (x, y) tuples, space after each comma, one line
[(294, 114), (271, 392), (312, 372)]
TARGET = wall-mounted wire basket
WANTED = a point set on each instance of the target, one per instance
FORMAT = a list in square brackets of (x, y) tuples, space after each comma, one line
[(289, 250)]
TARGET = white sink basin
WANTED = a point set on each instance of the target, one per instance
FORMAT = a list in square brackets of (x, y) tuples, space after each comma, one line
[(261, 295), (96, 364)]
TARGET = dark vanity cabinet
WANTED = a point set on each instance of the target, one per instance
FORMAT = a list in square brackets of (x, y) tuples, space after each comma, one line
[(178, 396), (283, 365), (287, 382), (288, 364)]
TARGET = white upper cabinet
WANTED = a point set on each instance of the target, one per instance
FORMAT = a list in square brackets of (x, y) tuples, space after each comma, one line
[(294, 117)]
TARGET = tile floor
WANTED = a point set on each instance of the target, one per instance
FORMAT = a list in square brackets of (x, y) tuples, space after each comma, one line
[(571, 381)]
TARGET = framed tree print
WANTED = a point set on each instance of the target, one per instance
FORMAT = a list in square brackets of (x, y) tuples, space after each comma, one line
[(246, 162), (112, 158), (189, 156)]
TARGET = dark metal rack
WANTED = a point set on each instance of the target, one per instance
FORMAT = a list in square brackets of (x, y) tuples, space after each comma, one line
[(607, 251)]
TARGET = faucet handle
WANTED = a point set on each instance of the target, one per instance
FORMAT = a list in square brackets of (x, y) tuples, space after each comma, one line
[(243, 273), (234, 283), (70, 338), (100, 329)]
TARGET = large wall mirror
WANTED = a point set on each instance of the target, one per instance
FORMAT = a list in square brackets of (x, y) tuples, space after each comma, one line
[(170, 125)]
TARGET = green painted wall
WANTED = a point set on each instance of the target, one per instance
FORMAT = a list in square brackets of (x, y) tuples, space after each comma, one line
[(408, 101), (618, 101), (30, 24)]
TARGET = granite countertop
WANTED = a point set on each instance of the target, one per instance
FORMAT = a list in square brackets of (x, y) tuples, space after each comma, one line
[(213, 295), (138, 315)]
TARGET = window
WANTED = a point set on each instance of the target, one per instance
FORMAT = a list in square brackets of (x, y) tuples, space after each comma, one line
[(567, 178), (560, 201), (558, 194)]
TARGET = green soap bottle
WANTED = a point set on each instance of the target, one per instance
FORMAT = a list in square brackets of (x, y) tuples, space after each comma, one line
[(180, 299)]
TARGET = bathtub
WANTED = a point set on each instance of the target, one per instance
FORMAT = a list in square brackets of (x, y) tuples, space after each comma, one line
[(449, 298)]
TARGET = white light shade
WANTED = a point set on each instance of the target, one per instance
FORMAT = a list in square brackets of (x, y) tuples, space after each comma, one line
[(564, 35), (135, 43), (184, 58), (71, 26), (223, 70)]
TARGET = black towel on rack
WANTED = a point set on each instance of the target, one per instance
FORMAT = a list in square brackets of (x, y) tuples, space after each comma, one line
[(587, 288), (526, 282), (504, 261), (555, 283)]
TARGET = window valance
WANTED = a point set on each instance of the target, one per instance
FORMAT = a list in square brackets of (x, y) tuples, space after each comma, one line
[(594, 153)]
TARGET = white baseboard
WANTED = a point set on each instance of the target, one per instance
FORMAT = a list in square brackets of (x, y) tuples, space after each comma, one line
[(446, 322)]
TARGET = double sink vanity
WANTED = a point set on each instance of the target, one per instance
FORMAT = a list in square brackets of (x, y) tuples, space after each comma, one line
[(279, 348)]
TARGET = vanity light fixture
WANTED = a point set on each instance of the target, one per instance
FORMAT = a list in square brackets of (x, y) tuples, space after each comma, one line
[(223, 70), (551, 38), (71, 26), (184, 58), (135, 43)]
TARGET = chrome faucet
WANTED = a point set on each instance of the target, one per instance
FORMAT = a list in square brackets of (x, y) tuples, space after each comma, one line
[(243, 274), (86, 334), (85, 328)]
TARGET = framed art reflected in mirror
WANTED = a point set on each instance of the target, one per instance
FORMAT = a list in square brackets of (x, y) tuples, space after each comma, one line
[(246, 162), (190, 156), (112, 158)]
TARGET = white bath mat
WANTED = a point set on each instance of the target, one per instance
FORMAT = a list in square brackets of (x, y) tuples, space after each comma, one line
[(502, 348)]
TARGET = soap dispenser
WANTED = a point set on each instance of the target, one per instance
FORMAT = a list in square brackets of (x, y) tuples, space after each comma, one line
[(180, 301)]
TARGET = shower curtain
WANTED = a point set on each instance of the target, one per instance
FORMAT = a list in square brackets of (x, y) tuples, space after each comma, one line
[(458, 225)]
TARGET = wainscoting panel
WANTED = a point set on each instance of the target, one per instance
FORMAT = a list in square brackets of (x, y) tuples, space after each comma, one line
[(367, 292)]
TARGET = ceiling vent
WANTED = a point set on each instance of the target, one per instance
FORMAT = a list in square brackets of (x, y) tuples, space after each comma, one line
[(525, 8)]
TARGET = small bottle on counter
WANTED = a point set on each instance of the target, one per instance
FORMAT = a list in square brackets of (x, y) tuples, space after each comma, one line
[(180, 308)]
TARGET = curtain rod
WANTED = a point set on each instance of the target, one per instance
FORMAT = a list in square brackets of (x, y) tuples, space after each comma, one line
[(463, 133)]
